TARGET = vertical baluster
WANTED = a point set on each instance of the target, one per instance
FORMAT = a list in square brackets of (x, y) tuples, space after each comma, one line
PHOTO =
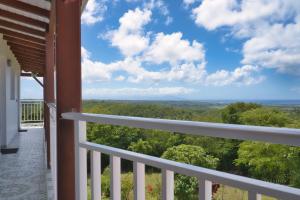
[(34, 111), (96, 175), (115, 178), (38, 113), (31, 112), (23, 112), (80, 161), (205, 189), (41, 108), (139, 180), (167, 184), (252, 195)]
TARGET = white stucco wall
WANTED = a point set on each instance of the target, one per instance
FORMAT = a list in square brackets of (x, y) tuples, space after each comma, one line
[(9, 108)]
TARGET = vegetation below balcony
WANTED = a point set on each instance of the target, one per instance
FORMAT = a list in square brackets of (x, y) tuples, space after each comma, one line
[(264, 161)]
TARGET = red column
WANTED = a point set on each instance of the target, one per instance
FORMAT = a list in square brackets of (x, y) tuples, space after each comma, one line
[(68, 81)]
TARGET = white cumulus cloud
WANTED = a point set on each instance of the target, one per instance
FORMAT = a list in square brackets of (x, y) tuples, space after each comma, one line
[(94, 12), (173, 49), (135, 92), (270, 28), (129, 37)]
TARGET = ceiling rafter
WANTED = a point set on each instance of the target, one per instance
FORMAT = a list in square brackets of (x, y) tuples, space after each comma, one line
[(30, 59), (19, 27), (21, 36), (26, 47), (22, 49), (23, 19), (32, 55), (23, 42), (26, 7)]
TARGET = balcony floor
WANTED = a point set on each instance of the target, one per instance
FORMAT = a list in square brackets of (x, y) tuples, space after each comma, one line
[(22, 175)]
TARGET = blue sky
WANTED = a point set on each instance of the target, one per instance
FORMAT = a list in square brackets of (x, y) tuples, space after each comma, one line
[(189, 50)]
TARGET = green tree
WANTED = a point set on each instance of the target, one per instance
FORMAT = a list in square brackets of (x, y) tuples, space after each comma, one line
[(116, 136), (231, 113), (186, 187), (141, 146), (270, 162), (264, 117)]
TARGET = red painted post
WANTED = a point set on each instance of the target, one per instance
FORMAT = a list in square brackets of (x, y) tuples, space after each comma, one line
[(68, 82)]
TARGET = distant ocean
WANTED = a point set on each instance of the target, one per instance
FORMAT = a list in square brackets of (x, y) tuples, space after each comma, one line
[(214, 102), (263, 102)]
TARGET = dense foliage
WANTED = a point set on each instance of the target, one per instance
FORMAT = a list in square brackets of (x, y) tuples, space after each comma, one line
[(270, 162), (187, 187)]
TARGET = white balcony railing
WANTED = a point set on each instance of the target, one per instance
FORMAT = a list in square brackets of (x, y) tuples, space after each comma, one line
[(255, 188), (32, 111)]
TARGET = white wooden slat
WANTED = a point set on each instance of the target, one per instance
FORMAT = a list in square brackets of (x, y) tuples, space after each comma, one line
[(262, 187), (139, 180), (252, 195), (80, 161), (96, 175), (167, 184), (205, 189), (115, 178)]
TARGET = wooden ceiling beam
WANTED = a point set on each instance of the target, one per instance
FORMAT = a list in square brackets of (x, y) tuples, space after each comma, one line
[(27, 52), (22, 28), (12, 44), (23, 42), (33, 56), (23, 19), (32, 65), (31, 68), (26, 7), (22, 36), (31, 60), (22, 49)]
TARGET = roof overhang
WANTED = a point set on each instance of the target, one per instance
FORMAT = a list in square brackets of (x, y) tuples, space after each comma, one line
[(24, 24)]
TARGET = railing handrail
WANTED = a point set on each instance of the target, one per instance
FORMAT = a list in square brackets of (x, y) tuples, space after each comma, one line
[(286, 136), (31, 100), (237, 181)]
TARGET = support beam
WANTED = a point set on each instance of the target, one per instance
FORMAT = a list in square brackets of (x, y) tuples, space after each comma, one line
[(21, 28), (26, 7), (23, 19), (37, 80), (21, 36), (39, 73), (68, 81), (23, 42), (24, 74)]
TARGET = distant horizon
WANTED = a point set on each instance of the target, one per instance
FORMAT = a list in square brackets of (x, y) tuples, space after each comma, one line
[(91, 99)]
